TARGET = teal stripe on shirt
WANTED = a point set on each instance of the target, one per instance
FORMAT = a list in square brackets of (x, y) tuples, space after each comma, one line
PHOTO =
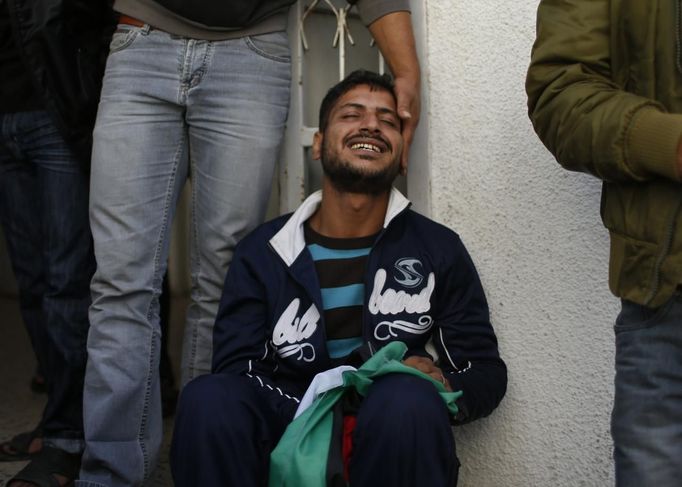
[(323, 253), (343, 346), (341, 297)]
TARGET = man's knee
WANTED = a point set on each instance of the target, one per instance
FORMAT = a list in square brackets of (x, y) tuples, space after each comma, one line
[(216, 404), (403, 425), (403, 397), (212, 394), (224, 432)]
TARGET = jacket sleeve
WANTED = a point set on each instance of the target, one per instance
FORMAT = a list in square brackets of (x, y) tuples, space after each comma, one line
[(465, 340), (583, 117), (241, 333)]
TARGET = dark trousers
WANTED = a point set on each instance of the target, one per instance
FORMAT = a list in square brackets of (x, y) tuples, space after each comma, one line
[(44, 214), (225, 430)]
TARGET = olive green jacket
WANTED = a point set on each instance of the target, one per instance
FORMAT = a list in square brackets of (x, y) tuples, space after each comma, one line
[(605, 96)]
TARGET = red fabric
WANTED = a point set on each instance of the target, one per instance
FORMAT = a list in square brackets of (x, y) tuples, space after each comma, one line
[(347, 450)]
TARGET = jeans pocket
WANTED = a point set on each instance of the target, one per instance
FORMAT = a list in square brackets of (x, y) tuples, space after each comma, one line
[(123, 37), (37, 126), (273, 46), (635, 316)]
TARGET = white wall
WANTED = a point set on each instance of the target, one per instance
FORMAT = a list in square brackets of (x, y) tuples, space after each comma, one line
[(533, 230)]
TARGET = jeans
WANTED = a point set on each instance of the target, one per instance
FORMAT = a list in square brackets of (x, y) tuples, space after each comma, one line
[(44, 213), (170, 106), (647, 416)]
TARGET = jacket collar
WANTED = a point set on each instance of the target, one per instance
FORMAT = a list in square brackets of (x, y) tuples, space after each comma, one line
[(289, 242)]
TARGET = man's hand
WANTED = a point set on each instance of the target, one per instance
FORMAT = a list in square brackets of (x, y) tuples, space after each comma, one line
[(393, 34), (409, 106), (427, 366)]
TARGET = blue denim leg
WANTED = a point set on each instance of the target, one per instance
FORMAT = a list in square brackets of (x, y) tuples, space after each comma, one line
[(647, 416), (236, 113), (169, 104), (44, 196), (19, 196)]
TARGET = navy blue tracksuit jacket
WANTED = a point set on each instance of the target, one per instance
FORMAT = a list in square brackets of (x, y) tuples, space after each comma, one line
[(421, 288)]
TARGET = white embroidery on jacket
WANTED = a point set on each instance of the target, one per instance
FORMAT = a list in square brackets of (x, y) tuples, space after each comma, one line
[(390, 301), (422, 326), (408, 276), (293, 331)]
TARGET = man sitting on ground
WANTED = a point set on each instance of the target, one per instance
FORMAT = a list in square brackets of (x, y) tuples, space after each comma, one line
[(353, 268)]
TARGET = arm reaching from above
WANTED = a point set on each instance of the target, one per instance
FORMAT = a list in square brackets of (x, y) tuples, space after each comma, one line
[(394, 36)]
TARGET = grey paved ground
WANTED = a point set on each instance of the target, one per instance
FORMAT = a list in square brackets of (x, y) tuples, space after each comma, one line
[(20, 408)]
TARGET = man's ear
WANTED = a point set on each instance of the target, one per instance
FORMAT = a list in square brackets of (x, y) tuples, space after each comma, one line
[(316, 149)]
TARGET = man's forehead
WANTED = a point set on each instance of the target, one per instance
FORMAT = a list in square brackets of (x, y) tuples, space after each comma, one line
[(367, 96)]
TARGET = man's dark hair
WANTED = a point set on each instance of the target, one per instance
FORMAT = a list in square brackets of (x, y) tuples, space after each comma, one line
[(356, 78)]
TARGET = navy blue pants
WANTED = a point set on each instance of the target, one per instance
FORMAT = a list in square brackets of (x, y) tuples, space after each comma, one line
[(44, 214), (225, 430)]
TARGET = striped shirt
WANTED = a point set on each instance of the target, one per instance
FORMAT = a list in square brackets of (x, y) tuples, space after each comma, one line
[(340, 265)]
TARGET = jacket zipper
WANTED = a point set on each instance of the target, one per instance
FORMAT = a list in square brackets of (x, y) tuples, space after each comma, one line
[(678, 37), (365, 310)]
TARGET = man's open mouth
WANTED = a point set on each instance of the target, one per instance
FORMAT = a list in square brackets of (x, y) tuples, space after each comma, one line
[(369, 144), (367, 147)]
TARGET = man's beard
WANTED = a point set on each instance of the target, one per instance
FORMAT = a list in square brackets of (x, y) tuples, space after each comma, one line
[(346, 178)]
